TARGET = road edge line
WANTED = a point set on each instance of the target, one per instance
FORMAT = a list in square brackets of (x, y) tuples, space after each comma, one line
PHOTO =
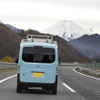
[(86, 75), (69, 88), (5, 79)]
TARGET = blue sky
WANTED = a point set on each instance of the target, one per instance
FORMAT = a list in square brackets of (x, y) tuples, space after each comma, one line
[(41, 14)]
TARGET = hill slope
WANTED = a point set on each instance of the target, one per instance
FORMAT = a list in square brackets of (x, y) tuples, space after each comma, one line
[(66, 52), (9, 42), (14, 28), (89, 45)]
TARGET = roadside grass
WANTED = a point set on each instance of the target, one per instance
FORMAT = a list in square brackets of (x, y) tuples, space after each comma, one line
[(7, 69)]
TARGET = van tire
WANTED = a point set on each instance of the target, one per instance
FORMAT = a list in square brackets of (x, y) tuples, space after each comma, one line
[(18, 89), (54, 90)]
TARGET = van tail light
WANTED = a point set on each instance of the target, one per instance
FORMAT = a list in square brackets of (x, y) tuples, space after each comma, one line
[(38, 47), (18, 67), (19, 83), (55, 84), (57, 69)]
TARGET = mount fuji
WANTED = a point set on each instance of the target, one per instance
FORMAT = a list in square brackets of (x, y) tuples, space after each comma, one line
[(67, 30)]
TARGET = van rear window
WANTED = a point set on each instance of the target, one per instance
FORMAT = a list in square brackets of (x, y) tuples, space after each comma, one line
[(40, 55)]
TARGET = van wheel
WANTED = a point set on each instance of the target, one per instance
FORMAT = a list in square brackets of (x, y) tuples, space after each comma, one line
[(43, 88), (54, 90), (18, 89)]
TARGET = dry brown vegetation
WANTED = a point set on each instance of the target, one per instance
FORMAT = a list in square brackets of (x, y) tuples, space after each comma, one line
[(10, 43)]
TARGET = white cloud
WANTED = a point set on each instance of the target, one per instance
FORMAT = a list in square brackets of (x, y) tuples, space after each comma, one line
[(44, 13)]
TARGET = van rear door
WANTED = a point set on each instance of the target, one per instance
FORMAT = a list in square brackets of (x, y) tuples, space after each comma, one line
[(38, 65)]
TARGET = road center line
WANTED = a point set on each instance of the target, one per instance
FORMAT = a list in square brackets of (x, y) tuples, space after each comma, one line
[(5, 79), (68, 87)]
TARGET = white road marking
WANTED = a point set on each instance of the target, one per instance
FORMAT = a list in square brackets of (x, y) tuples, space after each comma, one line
[(5, 79), (68, 87), (86, 75)]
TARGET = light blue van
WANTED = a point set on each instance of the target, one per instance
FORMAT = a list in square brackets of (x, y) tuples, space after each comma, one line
[(38, 64)]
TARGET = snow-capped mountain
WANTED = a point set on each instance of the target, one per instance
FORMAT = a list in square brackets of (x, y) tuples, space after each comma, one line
[(67, 30)]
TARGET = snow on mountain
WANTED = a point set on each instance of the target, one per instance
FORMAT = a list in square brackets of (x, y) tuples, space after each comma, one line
[(67, 30)]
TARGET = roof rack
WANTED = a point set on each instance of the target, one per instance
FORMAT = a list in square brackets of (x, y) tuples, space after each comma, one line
[(39, 38)]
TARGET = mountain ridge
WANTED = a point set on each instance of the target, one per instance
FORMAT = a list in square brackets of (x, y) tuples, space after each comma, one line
[(89, 45), (14, 28), (10, 43)]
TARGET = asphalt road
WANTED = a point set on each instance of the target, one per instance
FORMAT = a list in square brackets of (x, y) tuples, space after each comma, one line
[(80, 88), (85, 86)]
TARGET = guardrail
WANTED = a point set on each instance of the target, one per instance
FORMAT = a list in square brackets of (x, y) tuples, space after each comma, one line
[(93, 65), (70, 64), (14, 65), (8, 65)]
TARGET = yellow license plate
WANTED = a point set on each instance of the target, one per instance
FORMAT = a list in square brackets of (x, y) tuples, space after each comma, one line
[(35, 74)]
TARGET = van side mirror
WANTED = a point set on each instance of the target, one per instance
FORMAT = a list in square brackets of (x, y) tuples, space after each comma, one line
[(16, 61)]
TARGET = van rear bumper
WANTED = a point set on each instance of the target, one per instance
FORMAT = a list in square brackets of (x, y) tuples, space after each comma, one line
[(43, 85)]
